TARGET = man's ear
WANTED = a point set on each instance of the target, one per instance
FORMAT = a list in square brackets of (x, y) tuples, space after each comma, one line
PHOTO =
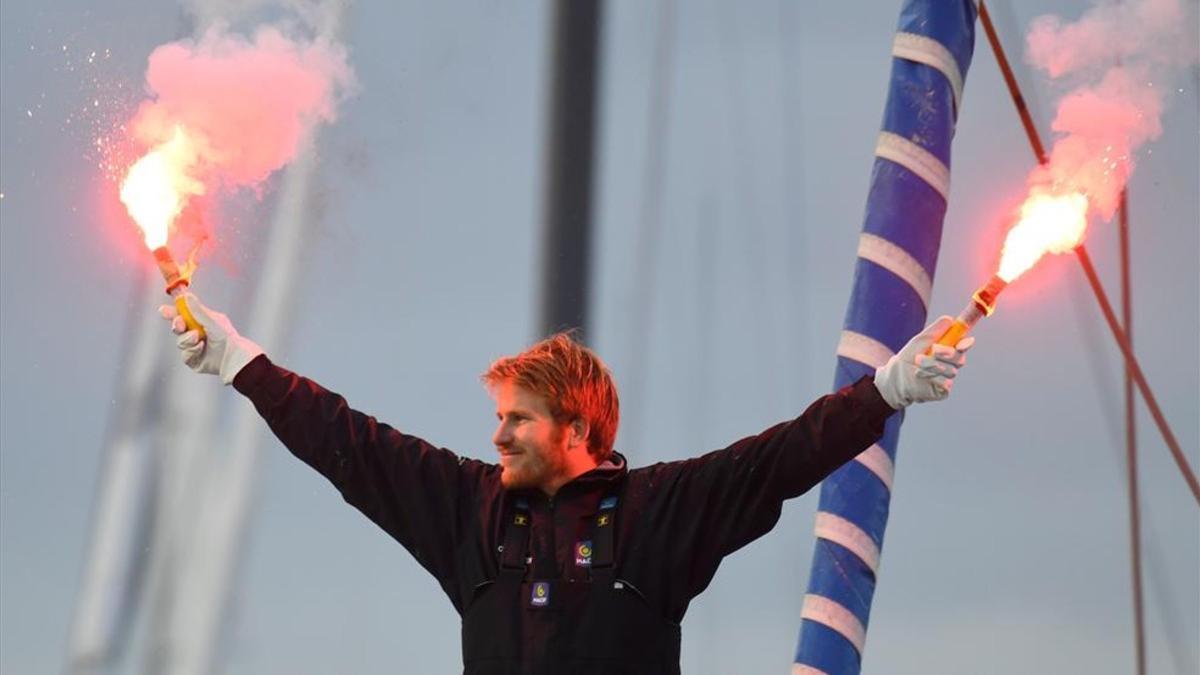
[(580, 430)]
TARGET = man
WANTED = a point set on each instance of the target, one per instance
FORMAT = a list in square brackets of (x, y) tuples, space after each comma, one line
[(560, 559)]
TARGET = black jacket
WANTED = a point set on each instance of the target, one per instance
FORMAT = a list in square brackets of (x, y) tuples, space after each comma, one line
[(674, 524)]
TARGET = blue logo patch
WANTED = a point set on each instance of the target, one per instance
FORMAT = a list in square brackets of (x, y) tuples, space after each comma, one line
[(608, 503), (539, 595)]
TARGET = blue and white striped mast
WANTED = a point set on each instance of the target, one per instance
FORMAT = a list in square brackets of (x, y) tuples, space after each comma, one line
[(889, 302)]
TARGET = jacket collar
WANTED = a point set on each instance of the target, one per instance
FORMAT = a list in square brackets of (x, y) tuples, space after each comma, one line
[(607, 475), (615, 464), (607, 472)]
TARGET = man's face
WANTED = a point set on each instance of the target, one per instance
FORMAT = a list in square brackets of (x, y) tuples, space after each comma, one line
[(532, 445)]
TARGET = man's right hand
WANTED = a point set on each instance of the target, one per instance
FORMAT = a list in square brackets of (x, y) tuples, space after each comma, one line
[(223, 353)]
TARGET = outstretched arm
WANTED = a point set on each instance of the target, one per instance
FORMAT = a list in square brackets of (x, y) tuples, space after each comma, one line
[(418, 493), (725, 499)]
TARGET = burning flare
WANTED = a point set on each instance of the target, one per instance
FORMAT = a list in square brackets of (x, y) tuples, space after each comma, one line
[(159, 185), (1119, 55), (225, 112), (155, 191), (1049, 224)]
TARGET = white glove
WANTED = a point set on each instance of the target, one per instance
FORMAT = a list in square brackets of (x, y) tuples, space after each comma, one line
[(223, 353), (912, 376)]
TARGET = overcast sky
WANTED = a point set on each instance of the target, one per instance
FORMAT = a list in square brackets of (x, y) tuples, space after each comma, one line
[(1007, 548)]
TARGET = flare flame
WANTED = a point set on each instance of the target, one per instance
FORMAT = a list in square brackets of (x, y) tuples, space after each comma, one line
[(1049, 223), (158, 186)]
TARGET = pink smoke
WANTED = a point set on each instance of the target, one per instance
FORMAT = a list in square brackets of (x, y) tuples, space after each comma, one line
[(1118, 56), (249, 105)]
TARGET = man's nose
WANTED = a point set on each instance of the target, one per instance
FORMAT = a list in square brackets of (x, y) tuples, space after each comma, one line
[(503, 436)]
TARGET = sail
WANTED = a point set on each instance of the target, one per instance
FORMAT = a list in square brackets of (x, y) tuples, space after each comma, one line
[(889, 302)]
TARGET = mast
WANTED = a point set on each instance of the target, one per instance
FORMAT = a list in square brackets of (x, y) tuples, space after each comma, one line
[(889, 301), (114, 568), (188, 640), (571, 124)]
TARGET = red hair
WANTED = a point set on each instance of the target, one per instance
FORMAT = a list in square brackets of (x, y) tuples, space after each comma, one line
[(574, 382)]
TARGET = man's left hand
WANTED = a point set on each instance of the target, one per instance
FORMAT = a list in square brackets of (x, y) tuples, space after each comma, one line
[(913, 376)]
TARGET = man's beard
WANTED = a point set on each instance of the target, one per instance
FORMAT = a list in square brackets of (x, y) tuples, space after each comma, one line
[(533, 468)]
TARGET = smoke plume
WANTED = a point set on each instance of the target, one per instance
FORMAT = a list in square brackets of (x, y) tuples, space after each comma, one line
[(248, 105), (1117, 61)]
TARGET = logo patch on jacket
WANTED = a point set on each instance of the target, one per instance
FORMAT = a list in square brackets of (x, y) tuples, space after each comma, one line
[(520, 519), (583, 554), (602, 520), (539, 595)]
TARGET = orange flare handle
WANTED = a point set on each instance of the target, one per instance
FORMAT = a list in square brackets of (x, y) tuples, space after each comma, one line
[(177, 283), (188, 317), (982, 304), (957, 331)]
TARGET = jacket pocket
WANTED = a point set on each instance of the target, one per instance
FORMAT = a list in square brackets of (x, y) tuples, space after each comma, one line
[(488, 631), (619, 630)]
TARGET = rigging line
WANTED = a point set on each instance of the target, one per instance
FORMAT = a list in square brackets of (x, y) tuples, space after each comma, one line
[(1131, 438), (1084, 260), (1154, 571), (754, 233), (1010, 81), (796, 241), (649, 221), (1135, 519), (1131, 459), (1131, 361)]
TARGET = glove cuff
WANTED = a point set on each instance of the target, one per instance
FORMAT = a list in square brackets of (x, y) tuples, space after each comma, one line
[(888, 386), (239, 352)]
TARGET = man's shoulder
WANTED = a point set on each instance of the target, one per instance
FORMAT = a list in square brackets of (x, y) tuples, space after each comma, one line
[(659, 474)]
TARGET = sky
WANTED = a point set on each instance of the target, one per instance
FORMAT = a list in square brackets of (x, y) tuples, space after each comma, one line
[(1007, 546)]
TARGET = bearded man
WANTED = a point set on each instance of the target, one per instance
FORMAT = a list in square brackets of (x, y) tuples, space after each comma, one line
[(561, 559)]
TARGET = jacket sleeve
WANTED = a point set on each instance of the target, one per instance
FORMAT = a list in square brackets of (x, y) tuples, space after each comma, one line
[(721, 501), (421, 495)]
